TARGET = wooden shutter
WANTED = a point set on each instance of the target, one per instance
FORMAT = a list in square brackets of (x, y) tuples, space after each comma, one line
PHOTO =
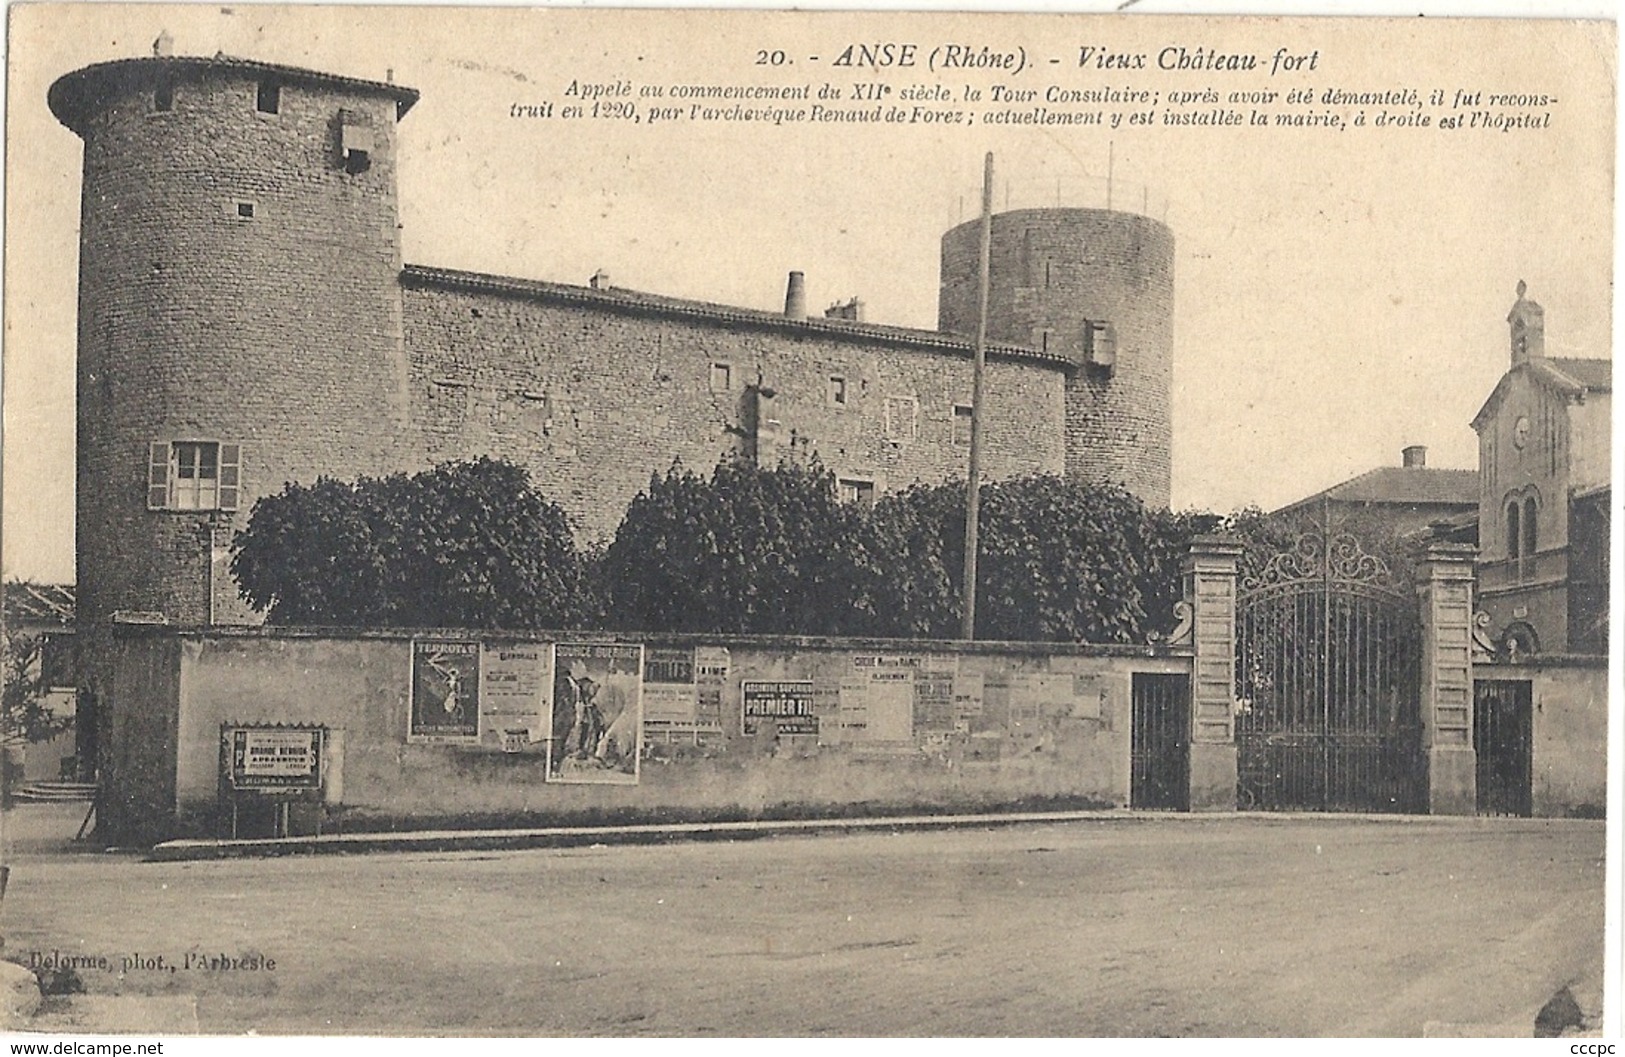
[(158, 475), (231, 460)]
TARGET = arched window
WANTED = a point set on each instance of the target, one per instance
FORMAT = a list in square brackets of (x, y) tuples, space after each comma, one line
[(1514, 534), (1531, 523)]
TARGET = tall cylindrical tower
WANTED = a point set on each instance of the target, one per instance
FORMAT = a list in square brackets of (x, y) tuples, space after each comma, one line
[(239, 311), (1098, 286)]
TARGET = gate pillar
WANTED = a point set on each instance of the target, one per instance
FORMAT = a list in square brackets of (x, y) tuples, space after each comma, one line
[(1445, 590), (1209, 575)]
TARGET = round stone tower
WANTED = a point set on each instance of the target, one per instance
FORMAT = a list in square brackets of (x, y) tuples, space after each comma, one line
[(1097, 286), (239, 312)]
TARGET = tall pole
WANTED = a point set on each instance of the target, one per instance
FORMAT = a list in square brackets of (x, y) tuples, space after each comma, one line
[(973, 485)]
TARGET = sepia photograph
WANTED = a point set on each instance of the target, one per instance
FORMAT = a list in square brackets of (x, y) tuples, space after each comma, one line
[(541, 522)]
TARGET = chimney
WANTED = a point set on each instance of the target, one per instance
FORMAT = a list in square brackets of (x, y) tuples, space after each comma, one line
[(795, 296), (852, 310), (599, 280), (1528, 322), (1415, 455)]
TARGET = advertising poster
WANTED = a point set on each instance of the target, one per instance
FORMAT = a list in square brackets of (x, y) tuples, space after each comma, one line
[(711, 665), (878, 698), (785, 707), (967, 699), (269, 759), (934, 697), (670, 695), (513, 695), (596, 727), (445, 692)]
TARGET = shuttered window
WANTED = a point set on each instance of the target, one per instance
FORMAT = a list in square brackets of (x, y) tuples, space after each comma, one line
[(193, 475)]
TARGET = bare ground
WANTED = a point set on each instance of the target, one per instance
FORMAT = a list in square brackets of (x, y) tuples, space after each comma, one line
[(1242, 925)]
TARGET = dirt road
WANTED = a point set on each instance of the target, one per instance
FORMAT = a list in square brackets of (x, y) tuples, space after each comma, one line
[(1143, 926)]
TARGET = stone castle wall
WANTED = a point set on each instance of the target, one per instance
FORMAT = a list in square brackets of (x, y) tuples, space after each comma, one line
[(1053, 272), (594, 393), (241, 284), (277, 331)]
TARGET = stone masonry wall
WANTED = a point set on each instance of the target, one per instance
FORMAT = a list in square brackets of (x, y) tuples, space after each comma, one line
[(279, 331), (1026, 724), (1051, 272), (594, 398)]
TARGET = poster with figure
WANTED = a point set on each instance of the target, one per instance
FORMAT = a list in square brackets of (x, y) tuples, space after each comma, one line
[(445, 692), (595, 730)]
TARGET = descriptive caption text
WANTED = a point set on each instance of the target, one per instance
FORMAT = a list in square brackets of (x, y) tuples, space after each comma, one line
[(969, 85)]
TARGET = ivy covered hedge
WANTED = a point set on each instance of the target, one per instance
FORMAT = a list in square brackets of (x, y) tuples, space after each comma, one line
[(744, 550)]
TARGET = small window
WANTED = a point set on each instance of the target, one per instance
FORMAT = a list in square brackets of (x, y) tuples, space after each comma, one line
[(902, 418), (193, 475), (1514, 534), (1531, 523), (964, 417), (268, 100), (837, 391), (856, 490), (721, 377), (245, 210), (1100, 344), (355, 144), (163, 98)]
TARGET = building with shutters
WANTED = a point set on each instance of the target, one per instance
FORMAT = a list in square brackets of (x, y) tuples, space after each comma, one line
[(246, 319)]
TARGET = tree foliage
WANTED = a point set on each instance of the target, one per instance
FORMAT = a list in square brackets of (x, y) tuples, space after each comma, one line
[(467, 544), (1058, 561), (747, 550), (25, 715), (772, 551)]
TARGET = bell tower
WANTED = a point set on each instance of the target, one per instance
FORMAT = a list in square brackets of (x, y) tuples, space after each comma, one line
[(1527, 321)]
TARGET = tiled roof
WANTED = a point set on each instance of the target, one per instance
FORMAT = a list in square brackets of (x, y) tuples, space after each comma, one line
[(76, 95), (636, 302), (1403, 485), (37, 605), (1594, 375), (1573, 376)]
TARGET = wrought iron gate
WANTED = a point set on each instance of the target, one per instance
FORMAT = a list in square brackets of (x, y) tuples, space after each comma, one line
[(1159, 743), (1328, 648), (1502, 736)]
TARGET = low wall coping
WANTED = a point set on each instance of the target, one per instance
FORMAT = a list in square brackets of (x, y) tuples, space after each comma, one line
[(1489, 669), (663, 638)]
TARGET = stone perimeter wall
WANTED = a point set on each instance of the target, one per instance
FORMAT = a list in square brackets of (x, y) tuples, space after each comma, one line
[(1052, 725)]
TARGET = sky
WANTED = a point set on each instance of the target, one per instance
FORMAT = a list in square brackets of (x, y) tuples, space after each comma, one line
[(1338, 295)]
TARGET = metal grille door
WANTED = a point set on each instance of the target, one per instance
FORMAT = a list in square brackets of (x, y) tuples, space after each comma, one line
[(1503, 717), (1160, 742), (1327, 666)]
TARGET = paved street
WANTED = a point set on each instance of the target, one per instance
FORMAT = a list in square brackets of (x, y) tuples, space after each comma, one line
[(1136, 926)]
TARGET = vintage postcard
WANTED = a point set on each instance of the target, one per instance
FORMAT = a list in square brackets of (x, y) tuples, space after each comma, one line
[(491, 550)]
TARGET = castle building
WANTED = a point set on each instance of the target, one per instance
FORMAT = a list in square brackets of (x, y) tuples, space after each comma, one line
[(246, 320), (1544, 449)]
